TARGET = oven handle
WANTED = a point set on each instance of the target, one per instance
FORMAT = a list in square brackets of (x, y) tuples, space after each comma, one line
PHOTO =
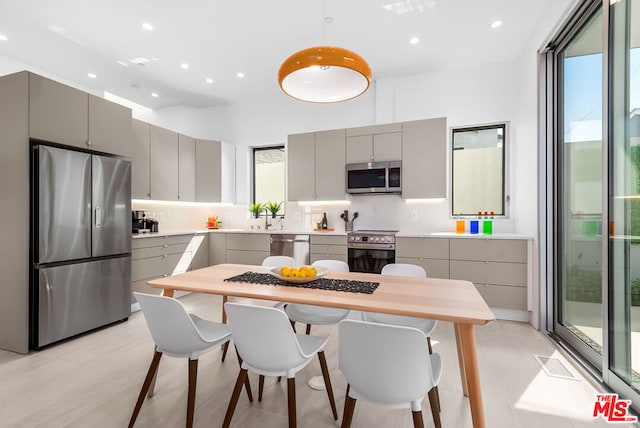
[(371, 247)]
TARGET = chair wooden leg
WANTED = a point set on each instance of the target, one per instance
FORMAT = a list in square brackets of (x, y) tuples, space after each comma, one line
[(260, 387), (247, 383), (153, 368), (437, 394), (418, 422), (308, 331), (429, 345), (434, 408), (349, 407), (327, 383), (279, 379), (293, 326), (242, 376), (291, 397), (225, 348), (345, 398), (191, 396)]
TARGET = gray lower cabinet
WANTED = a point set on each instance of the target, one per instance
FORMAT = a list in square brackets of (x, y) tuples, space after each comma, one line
[(199, 251), (432, 254), (325, 247), (217, 248), (497, 267), (157, 257), (247, 248)]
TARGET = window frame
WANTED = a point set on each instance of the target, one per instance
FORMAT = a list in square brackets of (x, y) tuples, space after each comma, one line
[(254, 150), (505, 199)]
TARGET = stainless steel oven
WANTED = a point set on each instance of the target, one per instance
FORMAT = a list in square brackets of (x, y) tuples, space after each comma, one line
[(370, 250)]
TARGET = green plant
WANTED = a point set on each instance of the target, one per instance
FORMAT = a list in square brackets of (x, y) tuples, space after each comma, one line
[(273, 208), (256, 209)]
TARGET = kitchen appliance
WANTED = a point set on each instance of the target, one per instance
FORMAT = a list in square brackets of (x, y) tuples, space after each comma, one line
[(374, 177), (296, 246), (370, 250), (140, 223), (80, 243)]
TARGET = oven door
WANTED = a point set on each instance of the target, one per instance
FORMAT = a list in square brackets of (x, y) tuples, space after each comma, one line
[(367, 177), (369, 260)]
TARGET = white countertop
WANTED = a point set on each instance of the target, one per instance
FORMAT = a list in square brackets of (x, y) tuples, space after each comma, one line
[(222, 230), (462, 235)]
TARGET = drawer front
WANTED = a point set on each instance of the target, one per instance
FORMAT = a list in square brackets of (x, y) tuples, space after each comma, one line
[(328, 249), (316, 257), (141, 253), (496, 250), (158, 241), (246, 257), (432, 248), (327, 240), (156, 267), (248, 241), (501, 296), (514, 274), (435, 268)]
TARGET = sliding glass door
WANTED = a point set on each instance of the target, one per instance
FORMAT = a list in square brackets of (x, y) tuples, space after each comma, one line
[(579, 189), (624, 192), (593, 70)]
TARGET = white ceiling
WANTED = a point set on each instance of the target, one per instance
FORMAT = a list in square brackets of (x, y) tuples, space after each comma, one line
[(70, 38)]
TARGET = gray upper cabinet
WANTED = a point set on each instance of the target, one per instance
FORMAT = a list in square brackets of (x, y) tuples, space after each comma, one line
[(186, 168), (330, 165), (66, 115), (109, 127), (139, 154), (424, 159), (163, 158), (208, 171), (377, 143), (57, 112), (301, 167)]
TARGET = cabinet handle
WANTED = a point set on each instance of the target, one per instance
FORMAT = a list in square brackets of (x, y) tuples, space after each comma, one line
[(165, 275), (486, 263), (89, 143), (421, 258), (164, 256), (165, 246)]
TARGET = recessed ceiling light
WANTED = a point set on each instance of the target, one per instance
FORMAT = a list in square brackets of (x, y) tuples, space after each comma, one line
[(184, 66), (147, 26), (496, 24), (154, 94), (92, 75), (208, 80), (240, 75), (414, 40), (3, 38)]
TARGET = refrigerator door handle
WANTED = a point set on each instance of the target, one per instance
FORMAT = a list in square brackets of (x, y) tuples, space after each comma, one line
[(98, 220)]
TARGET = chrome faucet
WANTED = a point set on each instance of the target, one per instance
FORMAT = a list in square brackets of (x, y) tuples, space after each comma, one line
[(266, 220)]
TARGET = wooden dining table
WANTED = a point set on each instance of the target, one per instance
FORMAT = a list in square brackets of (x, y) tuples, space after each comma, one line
[(450, 300)]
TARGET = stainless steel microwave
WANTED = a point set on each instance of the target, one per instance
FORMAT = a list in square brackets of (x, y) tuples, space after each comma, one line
[(374, 177)]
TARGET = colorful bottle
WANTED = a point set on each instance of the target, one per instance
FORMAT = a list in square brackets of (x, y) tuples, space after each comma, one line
[(474, 225), (487, 224), (324, 223)]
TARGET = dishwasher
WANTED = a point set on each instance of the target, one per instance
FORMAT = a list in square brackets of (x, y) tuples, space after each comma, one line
[(296, 246)]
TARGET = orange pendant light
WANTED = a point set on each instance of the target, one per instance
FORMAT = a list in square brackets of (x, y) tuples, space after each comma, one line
[(324, 74)]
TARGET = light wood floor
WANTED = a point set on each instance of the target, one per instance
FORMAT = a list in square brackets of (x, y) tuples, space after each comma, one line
[(93, 381)]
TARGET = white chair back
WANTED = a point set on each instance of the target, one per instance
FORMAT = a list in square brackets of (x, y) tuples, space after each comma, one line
[(332, 265), (171, 327), (404, 269), (278, 261), (376, 371), (264, 337)]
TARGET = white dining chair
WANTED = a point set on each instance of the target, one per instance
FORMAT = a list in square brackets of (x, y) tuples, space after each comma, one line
[(317, 315), (177, 334), (425, 325), (377, 372), (268, 346), (278, 261)]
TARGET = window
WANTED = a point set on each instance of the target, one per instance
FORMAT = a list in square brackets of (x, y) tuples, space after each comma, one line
[(268, 175), (478, 170)]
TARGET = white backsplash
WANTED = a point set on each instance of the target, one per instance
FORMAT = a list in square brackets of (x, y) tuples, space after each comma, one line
[(375, 212)]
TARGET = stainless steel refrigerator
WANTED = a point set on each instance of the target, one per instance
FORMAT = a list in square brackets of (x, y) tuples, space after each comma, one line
[(80, 242)]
